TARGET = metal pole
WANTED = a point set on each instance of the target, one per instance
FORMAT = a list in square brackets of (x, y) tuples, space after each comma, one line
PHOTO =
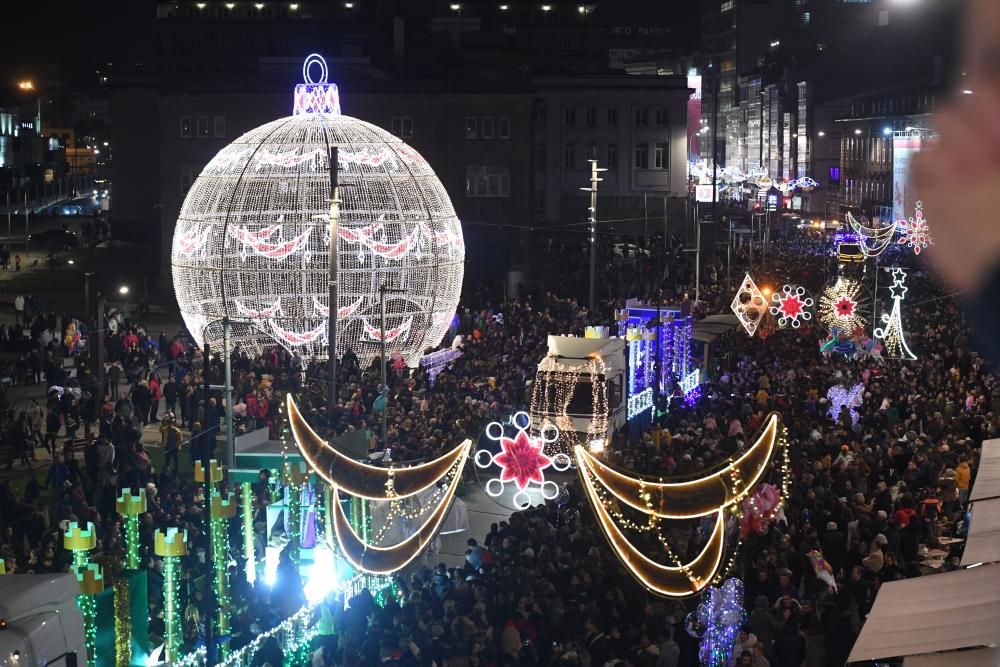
[(25, 225), (331, 335), (594, 180), (645, 219), (206, 457), (593, 234), (385, 384), (697, 262), (8, 219), (228, 354)]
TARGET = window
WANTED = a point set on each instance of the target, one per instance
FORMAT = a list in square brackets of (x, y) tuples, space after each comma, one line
[(540, 157), (487, 181), (661, 158), (540, 116), (641, 117), (641, 156), (661, 117), (186, 127), (569, 156), (202, 127), (570, 117), (590, 117), (402, 126), (487, 127), (219, 127), (592, 152), (612, 156), (538, 201), (186, 180), (503, 127), (612, 116), (727, 6), (834, 174), (471, 127)]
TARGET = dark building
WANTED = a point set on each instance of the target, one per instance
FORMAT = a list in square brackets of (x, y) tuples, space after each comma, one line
[(786, 71), (482, 90)]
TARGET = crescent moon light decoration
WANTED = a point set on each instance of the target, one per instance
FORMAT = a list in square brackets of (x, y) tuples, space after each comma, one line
[(687, 579), (361, 480), (714, 493), (386, 560), (376, 483), (698, 497)]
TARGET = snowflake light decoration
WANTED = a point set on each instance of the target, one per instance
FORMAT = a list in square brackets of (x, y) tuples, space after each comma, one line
[(791, 306), (253, 236), (522, 460), (749, 305), (843, 305), (915, 233)]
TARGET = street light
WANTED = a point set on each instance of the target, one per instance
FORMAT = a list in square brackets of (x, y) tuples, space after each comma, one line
[(886, 130), (857, 131), (821, 133), (123, 290)]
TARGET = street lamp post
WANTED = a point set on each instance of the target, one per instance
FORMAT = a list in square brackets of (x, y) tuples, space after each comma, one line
[(382, 291), (331, 335), (592, 219)]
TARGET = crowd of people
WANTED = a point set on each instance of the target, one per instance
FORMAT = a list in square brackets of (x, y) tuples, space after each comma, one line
[(870, 496)]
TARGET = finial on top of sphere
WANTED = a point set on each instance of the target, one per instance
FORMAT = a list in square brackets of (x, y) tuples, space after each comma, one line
[(315, 96)]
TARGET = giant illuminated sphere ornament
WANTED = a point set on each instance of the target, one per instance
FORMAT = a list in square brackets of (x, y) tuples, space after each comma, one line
[(253, 238)]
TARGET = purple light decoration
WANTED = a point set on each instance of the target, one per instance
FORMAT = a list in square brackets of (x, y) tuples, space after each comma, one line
[(845, 237), (841, 397), (717, 621)]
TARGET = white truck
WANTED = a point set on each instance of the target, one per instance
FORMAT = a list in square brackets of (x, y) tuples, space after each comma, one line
[(40, 623), (579, 389)]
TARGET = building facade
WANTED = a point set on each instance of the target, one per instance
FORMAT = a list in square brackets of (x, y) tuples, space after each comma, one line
[(506, 103)]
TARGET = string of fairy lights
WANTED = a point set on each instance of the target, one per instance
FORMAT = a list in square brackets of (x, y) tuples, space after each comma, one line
[(554, 389), (655, 524)]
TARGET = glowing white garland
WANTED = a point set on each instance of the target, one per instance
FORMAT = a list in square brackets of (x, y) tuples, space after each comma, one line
[(873, 240), (641, 402)]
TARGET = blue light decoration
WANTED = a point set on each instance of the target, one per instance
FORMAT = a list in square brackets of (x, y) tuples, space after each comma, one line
[(841, 397), (717, 621), (845, 237), (634, 324), (316, 96)]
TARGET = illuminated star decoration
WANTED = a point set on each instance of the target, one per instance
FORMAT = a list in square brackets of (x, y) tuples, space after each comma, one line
[(749, 304), (791, 306), (914, 232), (844, 307), (521, 460), (892, 332), (843, 304)]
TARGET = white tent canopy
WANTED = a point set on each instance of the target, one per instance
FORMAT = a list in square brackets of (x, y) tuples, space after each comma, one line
[(987, 482), (983, 544), (941, 612), (980, 657)]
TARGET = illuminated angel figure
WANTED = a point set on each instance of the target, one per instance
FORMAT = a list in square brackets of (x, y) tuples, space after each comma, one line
[(522, 460), (915, 233)]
